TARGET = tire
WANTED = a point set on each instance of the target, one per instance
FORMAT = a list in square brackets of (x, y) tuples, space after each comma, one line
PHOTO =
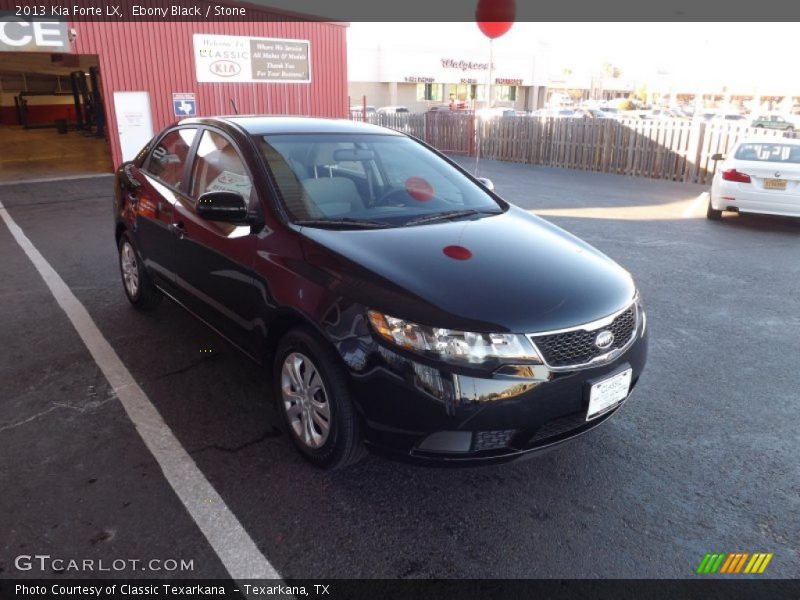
[(712, 213), (311, 388), (137, 285)]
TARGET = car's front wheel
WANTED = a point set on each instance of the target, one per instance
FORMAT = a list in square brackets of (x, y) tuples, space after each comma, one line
[(138, 288), (311, 387)]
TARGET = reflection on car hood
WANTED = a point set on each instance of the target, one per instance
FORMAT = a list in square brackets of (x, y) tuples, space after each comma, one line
[(510, 272)]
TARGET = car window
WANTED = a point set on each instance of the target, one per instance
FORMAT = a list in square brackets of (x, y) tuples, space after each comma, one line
[(168, 158), (387, 178), (219, 167), (766, 152)]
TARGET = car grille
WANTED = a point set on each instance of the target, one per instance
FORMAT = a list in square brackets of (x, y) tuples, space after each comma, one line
[(577, 347)]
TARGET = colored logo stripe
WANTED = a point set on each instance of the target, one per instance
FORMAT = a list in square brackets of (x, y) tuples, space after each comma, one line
[(734, 563), (758, 563), (710, 563)]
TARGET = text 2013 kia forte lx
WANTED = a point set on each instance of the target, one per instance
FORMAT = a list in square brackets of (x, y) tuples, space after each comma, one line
[(399, 303)]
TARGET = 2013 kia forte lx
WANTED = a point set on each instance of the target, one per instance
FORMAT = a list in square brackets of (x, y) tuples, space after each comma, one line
[(397, 301)]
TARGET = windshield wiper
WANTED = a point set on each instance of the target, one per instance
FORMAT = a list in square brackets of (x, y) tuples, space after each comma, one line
[(342, 222), (452, 214)]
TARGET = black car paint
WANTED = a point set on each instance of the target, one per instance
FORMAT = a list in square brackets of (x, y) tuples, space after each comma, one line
[(525, 276)]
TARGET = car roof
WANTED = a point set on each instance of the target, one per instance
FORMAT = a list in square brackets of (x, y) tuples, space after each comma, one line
[(770, 140), (270, 125)]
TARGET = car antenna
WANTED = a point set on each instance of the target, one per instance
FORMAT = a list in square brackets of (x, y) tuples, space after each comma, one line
[(233, 104)]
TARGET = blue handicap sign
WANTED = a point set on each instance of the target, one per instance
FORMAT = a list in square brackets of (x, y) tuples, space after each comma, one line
[(184, 107)]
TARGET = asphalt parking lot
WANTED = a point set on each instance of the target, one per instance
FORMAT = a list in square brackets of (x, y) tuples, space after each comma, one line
[(702, 459)]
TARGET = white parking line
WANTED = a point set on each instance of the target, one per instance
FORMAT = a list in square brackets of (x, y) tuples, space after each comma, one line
[(235, 548), (696, 208)]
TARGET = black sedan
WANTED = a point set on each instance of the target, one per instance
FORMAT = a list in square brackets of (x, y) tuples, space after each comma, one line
[(396, 301)]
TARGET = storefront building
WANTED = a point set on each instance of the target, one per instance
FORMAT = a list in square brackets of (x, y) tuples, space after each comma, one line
[(126, 80), (419, 78)]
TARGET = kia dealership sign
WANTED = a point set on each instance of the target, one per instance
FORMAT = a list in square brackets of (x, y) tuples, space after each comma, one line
[(221, 58)]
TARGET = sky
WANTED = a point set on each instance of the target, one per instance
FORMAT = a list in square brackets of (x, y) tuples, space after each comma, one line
[(736, 54)]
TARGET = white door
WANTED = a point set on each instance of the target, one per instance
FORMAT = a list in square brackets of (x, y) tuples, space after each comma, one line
[(134, 121)]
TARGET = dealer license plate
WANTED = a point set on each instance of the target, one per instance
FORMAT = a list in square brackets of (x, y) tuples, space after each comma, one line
[(775, 184), (605, 394)]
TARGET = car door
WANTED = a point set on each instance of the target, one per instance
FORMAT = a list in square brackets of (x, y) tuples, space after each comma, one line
[(214, 259), (161, 178)]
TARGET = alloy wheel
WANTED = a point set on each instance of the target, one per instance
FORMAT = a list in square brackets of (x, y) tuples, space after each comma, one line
[(130, 269), (305, 400)]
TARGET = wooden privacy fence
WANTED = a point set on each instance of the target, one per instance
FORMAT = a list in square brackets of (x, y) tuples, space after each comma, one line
[(678, 150), (452, 132), (664, 149)]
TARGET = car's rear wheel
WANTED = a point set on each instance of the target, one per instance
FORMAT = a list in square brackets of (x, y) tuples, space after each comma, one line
[(137, 285), (712, 213), (311, 387)]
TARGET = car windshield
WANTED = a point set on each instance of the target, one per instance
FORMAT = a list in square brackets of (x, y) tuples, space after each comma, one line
[(366, 180), (765, 152)]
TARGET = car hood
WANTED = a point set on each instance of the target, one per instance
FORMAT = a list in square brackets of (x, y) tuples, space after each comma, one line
[(523, 274)]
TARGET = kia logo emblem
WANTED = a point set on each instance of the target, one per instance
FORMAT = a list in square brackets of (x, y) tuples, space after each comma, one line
[(225, 68), (604, 339)]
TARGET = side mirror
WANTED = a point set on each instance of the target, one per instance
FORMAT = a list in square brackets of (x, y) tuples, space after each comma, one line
[(717, 156), (229, 207), (487, 183)]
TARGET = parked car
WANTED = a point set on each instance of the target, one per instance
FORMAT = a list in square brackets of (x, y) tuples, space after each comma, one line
[(359, 110), (395, 299), (704, 116), (736, 118), (760, 176), (611, 111), (666, 114), (392, 110), (772, 122), (499, 111), (591, 113)]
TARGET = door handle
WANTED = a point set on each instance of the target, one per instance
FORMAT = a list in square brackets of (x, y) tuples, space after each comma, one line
[(178, 229)]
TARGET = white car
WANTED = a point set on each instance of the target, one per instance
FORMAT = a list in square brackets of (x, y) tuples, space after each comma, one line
[(759, 176), (392, 110)]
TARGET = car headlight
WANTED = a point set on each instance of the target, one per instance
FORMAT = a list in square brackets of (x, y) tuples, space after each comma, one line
[(451, 345)]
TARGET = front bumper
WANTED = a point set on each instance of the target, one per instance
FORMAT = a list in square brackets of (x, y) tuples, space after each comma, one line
[(433, 415)]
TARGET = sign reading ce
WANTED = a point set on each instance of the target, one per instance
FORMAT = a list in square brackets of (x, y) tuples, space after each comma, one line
[(33, 36)]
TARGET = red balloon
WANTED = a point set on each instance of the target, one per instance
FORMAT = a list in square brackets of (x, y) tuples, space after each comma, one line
[(419, 189), (495, 17)]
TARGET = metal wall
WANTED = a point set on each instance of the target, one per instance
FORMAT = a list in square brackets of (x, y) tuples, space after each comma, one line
[(157, 58)]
